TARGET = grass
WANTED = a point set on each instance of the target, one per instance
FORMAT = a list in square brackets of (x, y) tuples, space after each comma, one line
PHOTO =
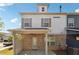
[(6, 52)]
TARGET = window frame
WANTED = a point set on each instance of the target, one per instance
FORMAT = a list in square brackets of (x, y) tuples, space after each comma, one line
[(70, 21), (43, 22), (51, 41), (43, 9), (28, 21), (77, 38)]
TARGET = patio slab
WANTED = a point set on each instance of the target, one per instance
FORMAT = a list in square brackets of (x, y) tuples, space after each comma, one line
[(36, 52)]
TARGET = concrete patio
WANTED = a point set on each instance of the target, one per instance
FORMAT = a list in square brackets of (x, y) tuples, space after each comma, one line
[(1, 45), (36, 52)]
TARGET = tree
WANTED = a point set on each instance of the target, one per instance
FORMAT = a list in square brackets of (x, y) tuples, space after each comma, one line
[(10, 38), (1, 27), (1, 34), (1, 24), (18, 36)]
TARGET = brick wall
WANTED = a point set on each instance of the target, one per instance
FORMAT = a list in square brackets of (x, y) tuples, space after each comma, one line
[(60, 39), (27, 41)]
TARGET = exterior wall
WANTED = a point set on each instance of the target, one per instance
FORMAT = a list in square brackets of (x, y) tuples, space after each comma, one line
[(72, 51), (76, 51), (17, 46), (71, 35), (58, 25), (72, 42), (76, 21), (27, 41), (60, 42)]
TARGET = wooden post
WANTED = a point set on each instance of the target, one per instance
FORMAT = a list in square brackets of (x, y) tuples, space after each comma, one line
[(46, 44), (14, 44)]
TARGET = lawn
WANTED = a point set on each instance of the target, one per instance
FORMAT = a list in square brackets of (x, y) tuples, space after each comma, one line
[(8, 51)]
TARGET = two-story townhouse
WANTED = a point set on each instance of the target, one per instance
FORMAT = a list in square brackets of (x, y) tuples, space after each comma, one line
[(41, 30), (73, 33)]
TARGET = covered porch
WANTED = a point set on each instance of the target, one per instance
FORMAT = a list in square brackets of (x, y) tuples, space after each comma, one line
[(34, 40)]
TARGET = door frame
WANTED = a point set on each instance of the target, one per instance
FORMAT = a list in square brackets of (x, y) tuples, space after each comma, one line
[(34, 42)]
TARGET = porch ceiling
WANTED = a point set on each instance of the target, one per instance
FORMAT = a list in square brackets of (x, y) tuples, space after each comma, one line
[(30, 31)]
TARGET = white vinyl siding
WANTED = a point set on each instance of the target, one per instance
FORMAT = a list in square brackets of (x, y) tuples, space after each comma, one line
[(56, 23)]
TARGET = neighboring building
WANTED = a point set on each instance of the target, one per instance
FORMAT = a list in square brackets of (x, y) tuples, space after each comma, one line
[(4, 36), (1, 38), (73, 33), (6, 40), (41, 30)]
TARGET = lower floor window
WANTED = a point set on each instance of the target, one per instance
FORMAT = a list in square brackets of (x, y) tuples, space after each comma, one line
[(77, 38), (51, 43)]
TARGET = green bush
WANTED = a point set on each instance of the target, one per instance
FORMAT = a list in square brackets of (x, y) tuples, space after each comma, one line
[(1, 34), (18, 36), (10, 38)]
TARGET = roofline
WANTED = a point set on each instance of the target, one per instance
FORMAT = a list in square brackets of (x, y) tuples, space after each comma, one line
[(72, 13), (42, 4), (28, 29), (73, 29), (37, 13)]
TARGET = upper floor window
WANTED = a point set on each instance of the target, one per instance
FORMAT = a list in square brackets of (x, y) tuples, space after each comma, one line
[(70, 22), (27, 22), (46, 22)]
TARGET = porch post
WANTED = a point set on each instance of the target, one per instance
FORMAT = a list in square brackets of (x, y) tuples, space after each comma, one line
[(14, 44), (46, 44)]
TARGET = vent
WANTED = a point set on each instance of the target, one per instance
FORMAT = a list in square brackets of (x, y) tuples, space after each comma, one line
[(57, 17)]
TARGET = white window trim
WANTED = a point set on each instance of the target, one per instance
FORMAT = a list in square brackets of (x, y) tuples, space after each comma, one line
[(70, 22), (26, 22), (43, 22), (51, 40)]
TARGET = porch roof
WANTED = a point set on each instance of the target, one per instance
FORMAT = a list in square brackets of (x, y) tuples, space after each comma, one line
[(73, 29), (30, 31)]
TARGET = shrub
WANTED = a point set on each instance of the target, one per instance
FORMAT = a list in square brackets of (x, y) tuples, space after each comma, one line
[(10, 38)]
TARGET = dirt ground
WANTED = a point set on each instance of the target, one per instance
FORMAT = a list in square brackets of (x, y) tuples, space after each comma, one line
[(61, 52)]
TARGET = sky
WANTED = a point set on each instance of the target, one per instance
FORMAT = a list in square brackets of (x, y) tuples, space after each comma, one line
[(10, 13)]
